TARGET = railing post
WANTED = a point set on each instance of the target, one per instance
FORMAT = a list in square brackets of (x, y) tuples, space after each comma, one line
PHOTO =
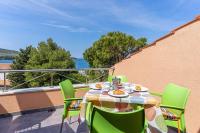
[(86, 79), (51, 79), (113, 69), (4, 81)]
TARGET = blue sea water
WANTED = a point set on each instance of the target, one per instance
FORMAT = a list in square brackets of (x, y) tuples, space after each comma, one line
[(6, 61), (80, 63)]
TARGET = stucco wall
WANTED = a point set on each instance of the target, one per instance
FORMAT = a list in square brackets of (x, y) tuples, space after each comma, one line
[(173, 59), (11, 103), (5, 66)]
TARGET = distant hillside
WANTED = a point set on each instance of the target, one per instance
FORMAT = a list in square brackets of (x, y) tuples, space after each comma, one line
[(7, 54)]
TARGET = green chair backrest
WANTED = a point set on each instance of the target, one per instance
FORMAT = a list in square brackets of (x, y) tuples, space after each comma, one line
[(175, 95), (110, 77), (122, 77), (122, 122), (67, 89)]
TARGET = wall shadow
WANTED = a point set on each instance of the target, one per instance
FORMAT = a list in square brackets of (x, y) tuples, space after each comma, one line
[(83, 128), (3, 110), (32, 107), (5, 120), (49, 129)]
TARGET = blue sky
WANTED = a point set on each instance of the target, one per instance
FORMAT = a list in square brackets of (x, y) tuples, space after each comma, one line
[(76, 24)]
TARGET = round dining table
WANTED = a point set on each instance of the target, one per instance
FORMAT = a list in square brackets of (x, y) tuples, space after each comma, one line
[(102, 98)]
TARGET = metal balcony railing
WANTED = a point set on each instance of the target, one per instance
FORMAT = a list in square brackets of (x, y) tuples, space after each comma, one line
[(103, 72)]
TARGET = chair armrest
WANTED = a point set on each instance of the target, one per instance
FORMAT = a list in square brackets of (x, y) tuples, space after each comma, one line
[(72, 99), (171, 107), (156, 94)]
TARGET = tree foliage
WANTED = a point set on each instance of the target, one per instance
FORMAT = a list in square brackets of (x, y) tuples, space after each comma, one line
[(112, 48), (48, 55), (19, 63)]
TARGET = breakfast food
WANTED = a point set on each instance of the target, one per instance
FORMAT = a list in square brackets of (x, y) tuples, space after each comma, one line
[(118, 92), (98, 86), (138, 88)]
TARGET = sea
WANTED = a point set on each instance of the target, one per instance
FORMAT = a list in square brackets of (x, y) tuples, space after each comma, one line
[(6, 61), (79, 63)]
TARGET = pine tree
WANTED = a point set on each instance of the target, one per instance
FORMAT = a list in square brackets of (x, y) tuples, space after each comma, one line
[(19, 63)]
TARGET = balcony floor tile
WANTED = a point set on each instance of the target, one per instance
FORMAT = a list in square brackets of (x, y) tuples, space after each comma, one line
[(40, 122)]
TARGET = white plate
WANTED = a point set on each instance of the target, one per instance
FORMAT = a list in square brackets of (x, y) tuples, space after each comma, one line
[(129, 89), (143, 89), (127, 84), (119, 96), (93, 86)]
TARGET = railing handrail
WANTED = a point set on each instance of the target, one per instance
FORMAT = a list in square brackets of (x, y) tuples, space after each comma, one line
[(6, 71), (52, 70)]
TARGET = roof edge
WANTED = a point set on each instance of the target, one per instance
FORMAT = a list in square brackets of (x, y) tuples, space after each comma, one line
[(197, 18)]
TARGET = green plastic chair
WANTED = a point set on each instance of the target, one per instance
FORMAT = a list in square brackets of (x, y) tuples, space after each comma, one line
[(122, 77), (68, 93), (88, 113), (122, 122), (174, 98), (110, 77)]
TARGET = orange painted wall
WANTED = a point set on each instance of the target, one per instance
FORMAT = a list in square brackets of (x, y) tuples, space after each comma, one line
[(32, 100), (176, 59), (4, 66)]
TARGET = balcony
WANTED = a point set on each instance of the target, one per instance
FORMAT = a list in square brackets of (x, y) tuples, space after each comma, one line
[(39, 109), (22, 112)]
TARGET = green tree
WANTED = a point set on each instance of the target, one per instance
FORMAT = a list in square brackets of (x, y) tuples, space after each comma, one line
[(112, 48), (19, 63), (48, 55)]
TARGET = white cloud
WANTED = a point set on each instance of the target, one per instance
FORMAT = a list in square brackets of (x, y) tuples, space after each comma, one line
[(44, 6), (68, 28), (137, 15), (132, 13)]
